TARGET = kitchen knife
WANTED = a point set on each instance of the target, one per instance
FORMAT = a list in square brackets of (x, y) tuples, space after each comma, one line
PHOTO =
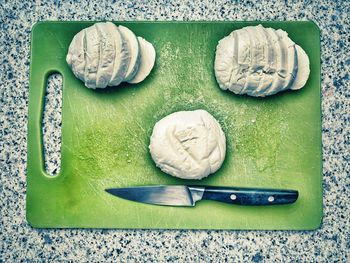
[(183, 195)]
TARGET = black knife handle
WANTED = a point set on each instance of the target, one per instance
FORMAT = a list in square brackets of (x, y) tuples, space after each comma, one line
[(250, 196)]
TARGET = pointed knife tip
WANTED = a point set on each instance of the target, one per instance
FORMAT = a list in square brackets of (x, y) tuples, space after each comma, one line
[(108, 190)]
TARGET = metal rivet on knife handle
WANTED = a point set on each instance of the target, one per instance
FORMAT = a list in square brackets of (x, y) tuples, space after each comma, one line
[(233, 197)]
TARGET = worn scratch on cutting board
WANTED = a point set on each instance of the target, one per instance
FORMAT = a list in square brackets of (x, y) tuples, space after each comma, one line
[(75, 127), (108, 202), (300, 146), (138, 218), (60, 44), (96, 190), (133, 135), (88, 110), (133, 118)]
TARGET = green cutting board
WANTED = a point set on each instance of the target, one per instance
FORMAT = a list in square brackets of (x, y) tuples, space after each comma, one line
[(272, 142)]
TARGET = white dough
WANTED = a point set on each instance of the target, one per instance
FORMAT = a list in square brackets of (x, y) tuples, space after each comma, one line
[(260, 62), (304, 72), (121, 56), (105, 55), (148, 56), (76, 55), (92, 54), (133, 47), (188, 144)]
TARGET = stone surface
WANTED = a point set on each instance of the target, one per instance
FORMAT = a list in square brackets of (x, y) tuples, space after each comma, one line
[(21, 242)]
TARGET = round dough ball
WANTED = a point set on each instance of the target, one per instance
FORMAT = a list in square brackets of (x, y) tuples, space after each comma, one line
[(188, 144), (106, 55), (260, 62)]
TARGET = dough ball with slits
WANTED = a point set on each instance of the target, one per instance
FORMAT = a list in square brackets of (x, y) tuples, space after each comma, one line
[(259, 62), (106, 55), (188, 144)]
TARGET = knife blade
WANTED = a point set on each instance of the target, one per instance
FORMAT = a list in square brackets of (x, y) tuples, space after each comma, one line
[(188, 195)]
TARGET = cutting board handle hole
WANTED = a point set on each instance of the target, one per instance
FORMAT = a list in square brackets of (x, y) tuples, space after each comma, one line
[(51, 124)]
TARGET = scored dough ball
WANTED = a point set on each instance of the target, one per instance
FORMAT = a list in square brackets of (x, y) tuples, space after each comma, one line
[(188, 144), (259, 62), (106, 55)]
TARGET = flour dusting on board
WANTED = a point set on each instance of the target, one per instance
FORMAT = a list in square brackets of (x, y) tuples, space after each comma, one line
[(252, 145)]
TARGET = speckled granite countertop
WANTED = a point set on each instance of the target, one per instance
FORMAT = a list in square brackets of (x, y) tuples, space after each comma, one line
[(21, 242)]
